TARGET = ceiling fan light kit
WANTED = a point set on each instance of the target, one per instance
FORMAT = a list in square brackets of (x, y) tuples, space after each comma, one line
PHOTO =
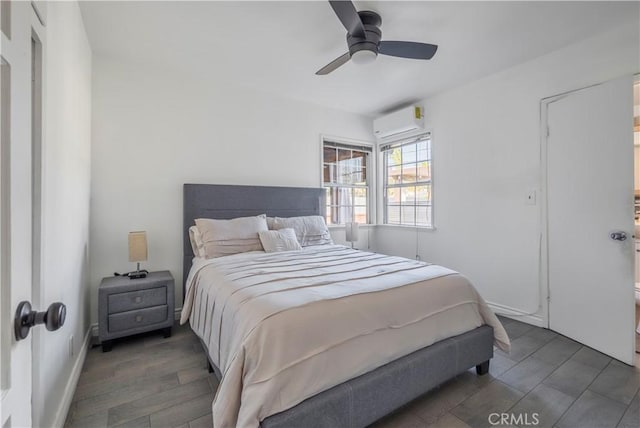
[(364, 56), (364, 39)]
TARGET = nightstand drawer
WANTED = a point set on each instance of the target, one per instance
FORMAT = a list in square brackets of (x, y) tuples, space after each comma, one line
[(122, 302), (140, 318)]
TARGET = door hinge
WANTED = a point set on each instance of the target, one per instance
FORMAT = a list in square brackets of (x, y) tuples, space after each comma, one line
[(548, 132)]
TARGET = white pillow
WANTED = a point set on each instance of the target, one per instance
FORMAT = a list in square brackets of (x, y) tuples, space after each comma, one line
[(196, 242), (310, 230), (225, 237), (274, 241)]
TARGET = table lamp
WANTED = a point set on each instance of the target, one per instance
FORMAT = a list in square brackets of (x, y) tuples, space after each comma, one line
[(138, 253)]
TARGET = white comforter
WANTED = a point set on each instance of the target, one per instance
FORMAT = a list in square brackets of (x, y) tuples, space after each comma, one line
[(283, 327)]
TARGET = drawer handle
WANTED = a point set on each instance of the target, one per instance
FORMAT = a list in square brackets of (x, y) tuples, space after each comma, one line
[(138, 299), (138, 318)]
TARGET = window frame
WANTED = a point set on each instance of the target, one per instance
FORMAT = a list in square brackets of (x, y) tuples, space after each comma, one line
[(384, 168), (371, 173)]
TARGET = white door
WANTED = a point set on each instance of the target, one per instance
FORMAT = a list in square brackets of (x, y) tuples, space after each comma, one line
[(590, 197), (16, 19)]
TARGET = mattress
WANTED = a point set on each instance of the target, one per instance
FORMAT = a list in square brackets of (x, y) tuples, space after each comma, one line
[(283, 327)]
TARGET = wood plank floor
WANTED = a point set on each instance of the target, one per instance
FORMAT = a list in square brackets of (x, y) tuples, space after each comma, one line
[(146, 380), (149, 381)]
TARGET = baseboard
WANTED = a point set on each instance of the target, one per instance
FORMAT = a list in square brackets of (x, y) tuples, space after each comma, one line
[(517, 314), (70, 389)]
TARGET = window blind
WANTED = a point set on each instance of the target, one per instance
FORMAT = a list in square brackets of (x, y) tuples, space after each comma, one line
[(400, 143), (356, 147)]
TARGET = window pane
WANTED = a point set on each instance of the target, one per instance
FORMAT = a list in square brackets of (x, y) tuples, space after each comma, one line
[(344, 168), (343, 196), (329, 173), (343, 155), (393, 196), (424, 171), (393, 214), (360, 214), (408, 214), (345, 205), (394, 174), (329, 155), (360, 195), (342, 173), (409, 172), (359, 158), (360, 176), (423, 195), (408, 153), (408, 195), (393, 157), (423, 151), (423, 216), (351, 170)]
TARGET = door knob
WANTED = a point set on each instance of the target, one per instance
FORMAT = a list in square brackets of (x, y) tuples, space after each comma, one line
[(618, 236), (26, 318)]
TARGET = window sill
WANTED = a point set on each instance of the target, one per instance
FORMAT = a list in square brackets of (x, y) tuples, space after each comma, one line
[(386, 226), (342, 226), (405, 227)]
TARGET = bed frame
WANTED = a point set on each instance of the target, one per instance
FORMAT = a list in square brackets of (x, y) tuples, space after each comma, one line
[(362, 400)]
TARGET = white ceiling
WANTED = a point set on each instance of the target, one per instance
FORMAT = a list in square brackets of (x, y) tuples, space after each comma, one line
[(278, 46)]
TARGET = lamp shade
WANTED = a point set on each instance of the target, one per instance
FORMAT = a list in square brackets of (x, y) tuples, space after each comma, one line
[(137, 246), (351, 232)]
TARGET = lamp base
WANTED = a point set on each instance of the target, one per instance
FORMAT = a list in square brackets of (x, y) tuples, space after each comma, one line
[(137, 274)]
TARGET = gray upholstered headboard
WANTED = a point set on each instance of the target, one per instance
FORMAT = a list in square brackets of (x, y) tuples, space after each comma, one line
[(229, 201)]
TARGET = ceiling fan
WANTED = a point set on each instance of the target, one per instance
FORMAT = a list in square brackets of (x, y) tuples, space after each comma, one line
[(363, 39)]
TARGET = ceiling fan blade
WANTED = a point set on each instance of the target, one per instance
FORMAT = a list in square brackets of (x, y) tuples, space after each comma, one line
[(413, 50), (341, 60), (349, 17)]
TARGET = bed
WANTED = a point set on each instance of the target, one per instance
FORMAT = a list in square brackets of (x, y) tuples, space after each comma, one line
[(397, 327)]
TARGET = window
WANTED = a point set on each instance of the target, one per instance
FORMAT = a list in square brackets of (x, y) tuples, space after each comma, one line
[(407, 182), (345, 172)]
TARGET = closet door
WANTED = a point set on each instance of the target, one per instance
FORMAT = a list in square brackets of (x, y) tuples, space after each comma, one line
[(590, 216)]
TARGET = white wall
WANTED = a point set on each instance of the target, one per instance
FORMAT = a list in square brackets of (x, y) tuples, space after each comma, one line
[(66, 186), (486, 145), (154, 130)]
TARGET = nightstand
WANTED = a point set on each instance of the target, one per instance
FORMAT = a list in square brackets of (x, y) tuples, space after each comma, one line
[(131, 306)]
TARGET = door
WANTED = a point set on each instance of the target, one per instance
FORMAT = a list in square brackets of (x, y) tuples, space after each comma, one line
[(15, 208), (589, 153)]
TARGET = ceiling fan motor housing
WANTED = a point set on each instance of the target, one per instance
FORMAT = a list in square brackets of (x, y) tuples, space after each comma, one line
[(364, 39), (371, 22)]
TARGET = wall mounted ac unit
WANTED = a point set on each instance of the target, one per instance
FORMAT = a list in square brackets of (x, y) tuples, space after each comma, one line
[(400, 123)]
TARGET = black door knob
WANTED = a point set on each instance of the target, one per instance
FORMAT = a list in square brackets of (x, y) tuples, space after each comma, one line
[(26, 318)]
